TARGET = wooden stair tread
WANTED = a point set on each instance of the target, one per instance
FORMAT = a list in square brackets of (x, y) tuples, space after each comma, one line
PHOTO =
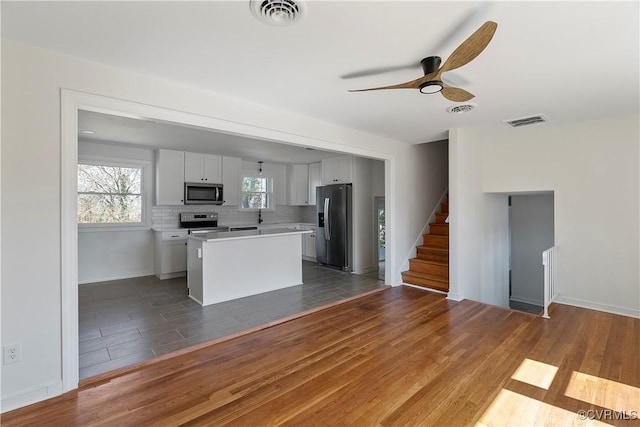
[(426, 261), (430, 248)]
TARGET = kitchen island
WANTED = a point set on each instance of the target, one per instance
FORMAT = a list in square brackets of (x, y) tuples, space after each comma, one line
[(235, 264)]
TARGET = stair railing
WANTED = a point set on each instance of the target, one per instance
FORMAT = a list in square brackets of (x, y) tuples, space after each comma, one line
[(550, 291)]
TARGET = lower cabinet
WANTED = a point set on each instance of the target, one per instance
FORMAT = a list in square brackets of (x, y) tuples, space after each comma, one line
[(309, 243), (170, 254)]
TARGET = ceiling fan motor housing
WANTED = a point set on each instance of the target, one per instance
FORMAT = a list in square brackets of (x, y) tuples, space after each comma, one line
[(430, 64)]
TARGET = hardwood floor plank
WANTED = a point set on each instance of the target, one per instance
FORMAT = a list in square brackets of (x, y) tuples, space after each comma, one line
[(399, 357)]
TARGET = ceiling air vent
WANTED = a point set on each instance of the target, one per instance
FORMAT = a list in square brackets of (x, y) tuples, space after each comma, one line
[(278, 12), (460, 109), (525, 121)]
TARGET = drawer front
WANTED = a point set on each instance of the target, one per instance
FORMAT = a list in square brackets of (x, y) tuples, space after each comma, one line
[(174, 235)]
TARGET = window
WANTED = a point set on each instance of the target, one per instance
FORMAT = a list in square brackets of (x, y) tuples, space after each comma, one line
[(110, 194), (257, 192)]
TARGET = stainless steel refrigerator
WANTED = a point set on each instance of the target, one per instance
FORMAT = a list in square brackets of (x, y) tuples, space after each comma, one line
[(333, 226)]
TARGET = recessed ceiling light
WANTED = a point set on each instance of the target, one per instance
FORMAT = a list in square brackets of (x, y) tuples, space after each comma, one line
[(88, 132), (461, 108)]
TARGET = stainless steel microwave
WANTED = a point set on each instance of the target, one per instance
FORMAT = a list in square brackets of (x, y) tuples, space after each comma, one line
[(196, 193)]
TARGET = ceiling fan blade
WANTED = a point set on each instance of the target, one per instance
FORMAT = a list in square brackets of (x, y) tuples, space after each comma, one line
[(463, 27), (471, 47), (413, 84), (379, 70), (456, 94)]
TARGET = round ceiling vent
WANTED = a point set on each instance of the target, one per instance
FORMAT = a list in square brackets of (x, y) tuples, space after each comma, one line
[(462, 108), (278, 12)]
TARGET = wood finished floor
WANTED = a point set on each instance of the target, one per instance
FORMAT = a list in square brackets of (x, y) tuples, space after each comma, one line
[(399, 357), (124, 322)]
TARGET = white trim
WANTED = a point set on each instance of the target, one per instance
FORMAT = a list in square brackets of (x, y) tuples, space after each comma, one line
[(119, 277), (454, 297), (597, 306), (71, 102), (69, 105), (30, 396), (366, 270), (424, 288)]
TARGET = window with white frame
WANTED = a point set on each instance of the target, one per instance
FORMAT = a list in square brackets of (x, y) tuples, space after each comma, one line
[(257, 192), (111, 193)]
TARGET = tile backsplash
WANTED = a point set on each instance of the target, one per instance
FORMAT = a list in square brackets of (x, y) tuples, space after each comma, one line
[(168, 216)]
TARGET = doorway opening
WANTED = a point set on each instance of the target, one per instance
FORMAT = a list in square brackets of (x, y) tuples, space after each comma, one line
[(531, 231)]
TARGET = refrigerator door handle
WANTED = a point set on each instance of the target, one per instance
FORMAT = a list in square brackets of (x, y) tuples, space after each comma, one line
[(327, 219)]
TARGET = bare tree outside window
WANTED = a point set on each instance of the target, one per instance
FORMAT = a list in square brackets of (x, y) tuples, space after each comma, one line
[(256, 192), (109, 194)]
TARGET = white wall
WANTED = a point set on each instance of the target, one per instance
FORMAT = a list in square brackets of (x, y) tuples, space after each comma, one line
[(110, 255), (417, 194), (32, 80), (531, 219), (377, 178), (363, 229), (593, 169), (478, 229)]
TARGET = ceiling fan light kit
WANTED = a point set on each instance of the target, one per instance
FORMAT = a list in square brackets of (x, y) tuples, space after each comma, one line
[(431, 82), (433, 86)]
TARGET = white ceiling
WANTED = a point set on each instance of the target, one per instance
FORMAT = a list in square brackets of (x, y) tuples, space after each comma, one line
[(572, 61), (153, 134)]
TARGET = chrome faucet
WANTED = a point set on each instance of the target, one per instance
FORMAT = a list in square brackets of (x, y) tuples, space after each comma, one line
[(259, 216)]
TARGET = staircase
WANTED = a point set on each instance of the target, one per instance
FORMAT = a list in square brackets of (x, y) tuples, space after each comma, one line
[(430, 268)]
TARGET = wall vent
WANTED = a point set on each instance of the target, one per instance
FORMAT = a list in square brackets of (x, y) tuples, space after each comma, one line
[(526, 121)]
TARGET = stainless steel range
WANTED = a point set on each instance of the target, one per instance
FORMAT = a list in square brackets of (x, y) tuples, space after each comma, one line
[(201, 222)]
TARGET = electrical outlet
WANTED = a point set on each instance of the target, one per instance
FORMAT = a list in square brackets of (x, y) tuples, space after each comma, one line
[(11, 353)]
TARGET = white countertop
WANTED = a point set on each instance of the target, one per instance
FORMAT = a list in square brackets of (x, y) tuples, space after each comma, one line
[(246, 234), (173, 229)]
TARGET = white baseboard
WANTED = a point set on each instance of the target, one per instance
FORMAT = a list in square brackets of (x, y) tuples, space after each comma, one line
[(308, 258), (630, 312), (82, 281), (171, 275), (526, 300), (424, 288), (366, 270), (454, 297), (31, 396)]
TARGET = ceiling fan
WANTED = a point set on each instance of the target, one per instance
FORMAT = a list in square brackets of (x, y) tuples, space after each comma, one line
[(431, 82)]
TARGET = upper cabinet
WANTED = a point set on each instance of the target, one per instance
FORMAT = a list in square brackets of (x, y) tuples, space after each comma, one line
[(206, 168), (169, 177), (231, 180), (315, 180), (337, 170), (298, 179)]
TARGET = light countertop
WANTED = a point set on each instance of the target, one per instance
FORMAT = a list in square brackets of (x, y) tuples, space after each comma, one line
[(247, 234)]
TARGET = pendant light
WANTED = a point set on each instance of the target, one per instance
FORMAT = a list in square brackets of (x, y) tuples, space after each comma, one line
[(260, 168)]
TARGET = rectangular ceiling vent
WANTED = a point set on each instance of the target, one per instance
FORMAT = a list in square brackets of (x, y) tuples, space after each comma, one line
[(526, 121)]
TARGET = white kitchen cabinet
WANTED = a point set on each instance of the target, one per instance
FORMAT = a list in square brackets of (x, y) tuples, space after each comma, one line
[(231, 180), (169, 177), (309, 243), (170, 254), (205, 168), (298, 180), (315, 180), (337, 170)]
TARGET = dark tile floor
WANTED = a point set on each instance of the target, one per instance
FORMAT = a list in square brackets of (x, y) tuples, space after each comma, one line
[(127, 321)]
